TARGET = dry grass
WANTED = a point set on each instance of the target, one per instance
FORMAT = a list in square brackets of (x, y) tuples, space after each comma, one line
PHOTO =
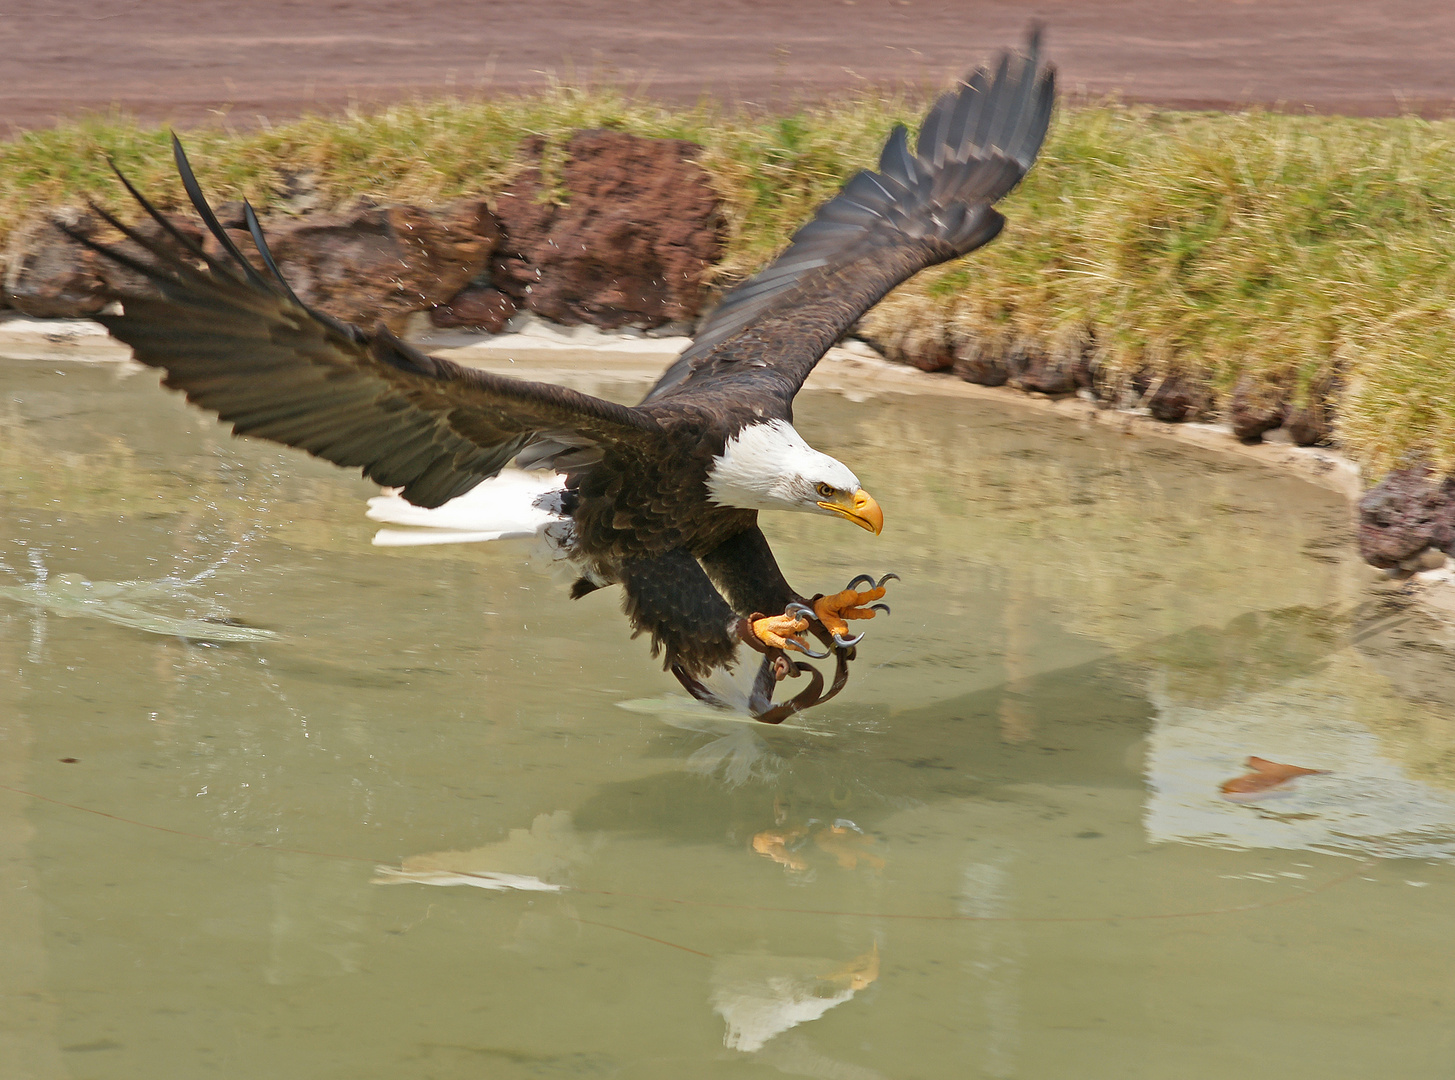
[(1303, 250), (1296, 248)]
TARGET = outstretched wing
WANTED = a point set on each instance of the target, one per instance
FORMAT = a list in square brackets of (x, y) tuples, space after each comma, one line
[(920, 208), (244, 346)]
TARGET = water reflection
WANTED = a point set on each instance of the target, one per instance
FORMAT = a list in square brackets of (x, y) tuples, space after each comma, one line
[(1016, 812), (1290, 684), (762, 996), (791, 846), (538, 859), (738, 751), (1370, 802)]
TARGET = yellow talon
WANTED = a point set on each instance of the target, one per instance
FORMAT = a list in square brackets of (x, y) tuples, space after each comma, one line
[(781, 632), (833, 610)]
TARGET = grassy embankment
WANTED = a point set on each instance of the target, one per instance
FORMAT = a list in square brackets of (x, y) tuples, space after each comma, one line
[(1313, 252)]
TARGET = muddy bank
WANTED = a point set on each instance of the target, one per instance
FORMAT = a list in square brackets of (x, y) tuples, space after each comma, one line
[(619, 364), (590, 359)]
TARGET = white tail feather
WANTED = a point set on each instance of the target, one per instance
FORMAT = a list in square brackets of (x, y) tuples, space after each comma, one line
[(513, 504), (421, 537)]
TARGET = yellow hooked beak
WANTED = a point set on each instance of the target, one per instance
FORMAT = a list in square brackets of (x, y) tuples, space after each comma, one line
[(860, 508)]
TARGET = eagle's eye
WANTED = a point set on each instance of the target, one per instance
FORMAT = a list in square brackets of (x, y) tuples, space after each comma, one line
[(825, 491)]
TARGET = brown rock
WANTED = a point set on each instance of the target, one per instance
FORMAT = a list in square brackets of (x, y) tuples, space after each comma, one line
[(1309, 425), (1178, 398), (118, 280), (1405, 513), (525, 225), (376, 263), (1312, 424), (920, 345), (1256, 406), (480, 307), (1036, 371), (980, 362), (48, 275), (633, 245), (930, 359)]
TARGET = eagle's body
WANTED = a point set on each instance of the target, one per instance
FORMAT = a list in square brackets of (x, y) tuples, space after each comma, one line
[(663, 497)]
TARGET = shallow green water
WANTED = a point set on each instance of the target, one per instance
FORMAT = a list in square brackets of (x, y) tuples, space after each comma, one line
[(1001, 852)]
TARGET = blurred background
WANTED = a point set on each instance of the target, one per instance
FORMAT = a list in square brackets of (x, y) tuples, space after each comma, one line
[(184, 60)]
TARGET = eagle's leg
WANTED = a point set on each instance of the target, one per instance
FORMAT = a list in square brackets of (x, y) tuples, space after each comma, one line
[(671, 598), (772, 671), (694, 686), (763, 707), (744, 569), (768, 713)]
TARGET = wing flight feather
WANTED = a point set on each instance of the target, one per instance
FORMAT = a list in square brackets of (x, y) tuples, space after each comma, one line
[(920, 208), (242, 345)]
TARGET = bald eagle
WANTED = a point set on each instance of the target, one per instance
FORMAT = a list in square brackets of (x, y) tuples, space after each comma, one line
[(661, 498)]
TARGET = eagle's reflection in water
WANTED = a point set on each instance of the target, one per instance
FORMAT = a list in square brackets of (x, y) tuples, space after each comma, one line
[(784, 795), (761, 996), (737, 752)]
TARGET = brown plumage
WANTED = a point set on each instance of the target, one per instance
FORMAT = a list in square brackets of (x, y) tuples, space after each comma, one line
[(694, 566)]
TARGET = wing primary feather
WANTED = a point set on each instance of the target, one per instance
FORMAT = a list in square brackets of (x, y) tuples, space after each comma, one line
[(989, 110), (932, 132), (168, 268), (1021, 114), (261, 243), (1035, 133), (896, 162), (145, 269), (199, 203), (967, 114), (1017, 111), (186, 242), (917, 209)]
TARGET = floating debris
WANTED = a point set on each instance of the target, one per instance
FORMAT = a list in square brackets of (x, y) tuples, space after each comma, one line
[(1268, 780)]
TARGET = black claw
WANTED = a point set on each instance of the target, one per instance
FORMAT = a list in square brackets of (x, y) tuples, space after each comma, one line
[(880, 607), (865, 579), (803, 611), (799, 646), (847, 642)]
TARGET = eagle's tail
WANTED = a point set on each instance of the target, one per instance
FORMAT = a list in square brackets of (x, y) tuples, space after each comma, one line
[(513, 505)]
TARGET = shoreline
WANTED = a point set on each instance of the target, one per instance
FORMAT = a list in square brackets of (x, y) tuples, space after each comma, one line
[(542, 350), (853, 369), (1260, 298)]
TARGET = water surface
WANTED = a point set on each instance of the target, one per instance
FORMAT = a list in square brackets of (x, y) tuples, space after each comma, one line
[(252, 767)]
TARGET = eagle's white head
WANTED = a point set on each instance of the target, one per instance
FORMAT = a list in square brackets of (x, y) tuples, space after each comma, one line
[(769, 466)]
